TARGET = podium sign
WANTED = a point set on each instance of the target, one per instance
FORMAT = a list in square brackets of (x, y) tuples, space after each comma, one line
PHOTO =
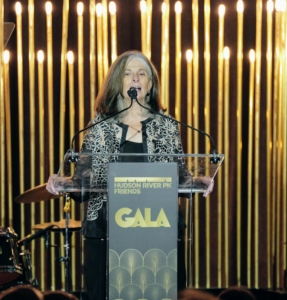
[(135, 238), (142, 230)]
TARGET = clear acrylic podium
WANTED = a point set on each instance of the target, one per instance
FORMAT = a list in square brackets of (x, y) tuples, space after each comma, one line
[(140, 181), (198, 165)]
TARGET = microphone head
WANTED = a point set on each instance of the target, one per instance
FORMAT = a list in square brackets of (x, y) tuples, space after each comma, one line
[(73, 158), (215, 159), (132, 92)]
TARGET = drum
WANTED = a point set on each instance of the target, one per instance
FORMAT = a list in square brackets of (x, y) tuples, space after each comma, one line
[(10, 268)]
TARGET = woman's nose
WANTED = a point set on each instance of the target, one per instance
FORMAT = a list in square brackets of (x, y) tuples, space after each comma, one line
[(135, 77)]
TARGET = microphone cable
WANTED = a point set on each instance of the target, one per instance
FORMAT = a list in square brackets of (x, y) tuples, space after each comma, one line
[(73, 157), (132, 92)]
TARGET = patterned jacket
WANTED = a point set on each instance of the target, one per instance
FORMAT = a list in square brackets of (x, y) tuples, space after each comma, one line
[(160, 136)]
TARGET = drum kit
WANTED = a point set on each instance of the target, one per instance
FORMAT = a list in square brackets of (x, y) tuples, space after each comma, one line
[(15, 264)]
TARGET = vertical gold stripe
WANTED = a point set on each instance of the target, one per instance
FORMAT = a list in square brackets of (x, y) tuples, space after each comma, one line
[(167, 54), (163, 54), (257, 138), (149, 29), (81, 92), (51, 150), (41, 150), (284, 144), (100, 45), (250, 165), (81, 116), (72, 132), (32, 98), (195, 71), (65, 15), (188, 243), (178, 63), (240, 22), (105, 38), (281, 167), (20, 111), (274, 142), (220, 147), (8, 142), (32, 114), (73, 260), (2, 117), (50, 93), (269, 58), (226, 166), (143, 25), (92, 57), (195, 142), (2, 38), (284, 137), (188, 216), (207, 125), (113, 24), (278, 198), (189, 105), (92, 73)]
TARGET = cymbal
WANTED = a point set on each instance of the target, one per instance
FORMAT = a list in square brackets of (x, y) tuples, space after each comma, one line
[(73, 225), (36, 194)]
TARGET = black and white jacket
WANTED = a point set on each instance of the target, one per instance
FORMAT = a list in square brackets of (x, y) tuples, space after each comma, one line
[(160, 136)]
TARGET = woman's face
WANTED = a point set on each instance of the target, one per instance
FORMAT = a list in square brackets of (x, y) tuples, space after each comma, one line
[(136, 76)]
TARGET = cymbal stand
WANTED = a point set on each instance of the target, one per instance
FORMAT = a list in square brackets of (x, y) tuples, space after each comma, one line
[(66, 259)]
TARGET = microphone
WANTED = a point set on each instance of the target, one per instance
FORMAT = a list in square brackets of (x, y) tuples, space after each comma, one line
[(132, 92), (31, 237), (73, 157)]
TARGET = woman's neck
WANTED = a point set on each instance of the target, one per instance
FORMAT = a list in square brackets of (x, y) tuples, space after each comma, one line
[(136, 112)]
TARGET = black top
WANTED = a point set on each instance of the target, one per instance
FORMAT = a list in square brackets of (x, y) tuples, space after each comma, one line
[(132, 147)]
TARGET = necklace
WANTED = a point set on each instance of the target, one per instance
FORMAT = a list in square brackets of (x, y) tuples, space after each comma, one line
[(137, 130)]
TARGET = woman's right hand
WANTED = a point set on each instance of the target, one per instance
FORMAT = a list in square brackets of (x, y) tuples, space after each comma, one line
[(51, 185)]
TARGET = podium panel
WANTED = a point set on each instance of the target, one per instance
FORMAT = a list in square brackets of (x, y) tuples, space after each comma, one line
[(137, 208), (142, 230)]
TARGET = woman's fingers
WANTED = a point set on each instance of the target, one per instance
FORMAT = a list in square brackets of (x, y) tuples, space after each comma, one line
[(209, 189), (51, 185)]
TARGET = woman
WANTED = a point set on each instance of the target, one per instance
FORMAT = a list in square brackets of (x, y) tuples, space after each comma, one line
[(136, 130)]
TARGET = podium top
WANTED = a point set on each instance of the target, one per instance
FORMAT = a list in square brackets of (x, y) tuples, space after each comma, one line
[(8, 29), (83, 176)]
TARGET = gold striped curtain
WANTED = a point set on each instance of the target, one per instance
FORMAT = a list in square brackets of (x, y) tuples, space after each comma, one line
[(232, 84)]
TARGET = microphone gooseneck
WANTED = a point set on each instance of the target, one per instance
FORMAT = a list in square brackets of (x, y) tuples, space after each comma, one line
[(73, 157), (132, 92), (31, 237)]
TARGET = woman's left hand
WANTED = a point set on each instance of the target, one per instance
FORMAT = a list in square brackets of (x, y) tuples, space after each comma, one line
[(209, 182)]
